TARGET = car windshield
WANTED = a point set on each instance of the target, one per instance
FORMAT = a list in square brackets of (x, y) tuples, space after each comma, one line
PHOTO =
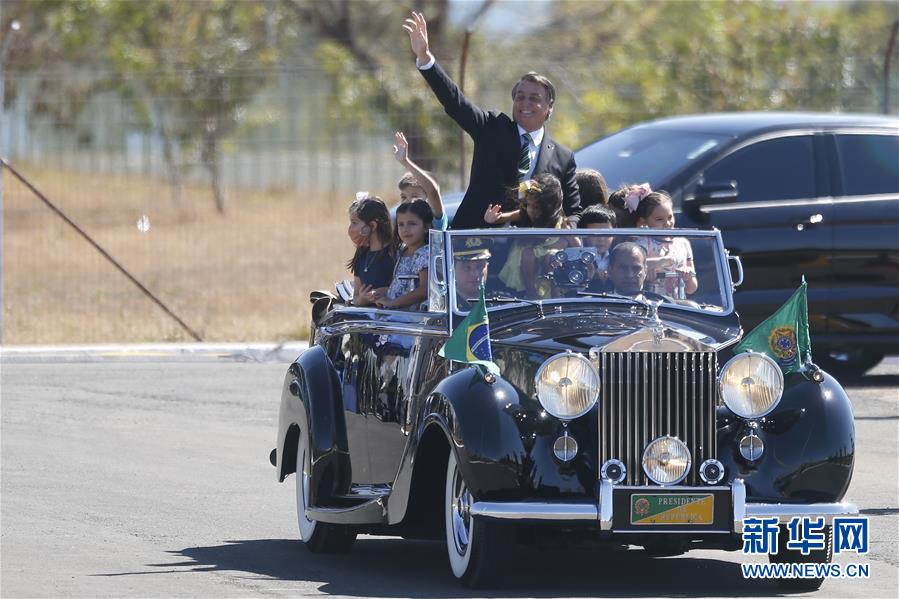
[(676, 267), (647, 154)]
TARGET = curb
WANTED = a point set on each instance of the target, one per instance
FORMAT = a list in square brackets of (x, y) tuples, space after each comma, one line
[(256, 352)]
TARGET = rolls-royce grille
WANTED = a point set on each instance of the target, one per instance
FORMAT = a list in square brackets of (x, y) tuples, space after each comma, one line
[(646, 395)]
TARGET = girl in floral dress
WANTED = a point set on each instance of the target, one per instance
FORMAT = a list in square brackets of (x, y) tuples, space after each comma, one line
[(409, 287)]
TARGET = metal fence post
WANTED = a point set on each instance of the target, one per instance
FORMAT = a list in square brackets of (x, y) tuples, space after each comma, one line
[(4, 49)]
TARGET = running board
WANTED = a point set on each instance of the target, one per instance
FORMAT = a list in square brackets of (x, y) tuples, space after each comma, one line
[(373, 511)]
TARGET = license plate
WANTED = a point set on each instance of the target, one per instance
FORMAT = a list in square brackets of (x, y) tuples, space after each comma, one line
[(672, 508)]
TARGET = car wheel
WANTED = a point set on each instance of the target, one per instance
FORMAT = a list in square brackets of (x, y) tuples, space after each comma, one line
[(476, 548), (848, 363), (792, 556), (319, 537)]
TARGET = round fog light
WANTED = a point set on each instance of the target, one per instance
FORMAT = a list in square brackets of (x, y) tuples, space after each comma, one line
[(613, 471), (666, 460), (711, 472), (751, 447), (565, 448)]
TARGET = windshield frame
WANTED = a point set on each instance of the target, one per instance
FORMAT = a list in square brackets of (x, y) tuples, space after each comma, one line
[(725, 282)]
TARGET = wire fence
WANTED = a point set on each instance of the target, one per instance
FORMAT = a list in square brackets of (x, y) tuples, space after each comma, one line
[(288, 168), (284, 139)]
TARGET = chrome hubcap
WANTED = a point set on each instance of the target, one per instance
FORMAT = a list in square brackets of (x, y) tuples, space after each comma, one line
[(461, 513)]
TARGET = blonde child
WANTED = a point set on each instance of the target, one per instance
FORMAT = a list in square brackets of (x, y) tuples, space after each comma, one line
[(541, 199)]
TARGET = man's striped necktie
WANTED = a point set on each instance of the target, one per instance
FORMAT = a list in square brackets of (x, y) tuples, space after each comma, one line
[(524, 159)]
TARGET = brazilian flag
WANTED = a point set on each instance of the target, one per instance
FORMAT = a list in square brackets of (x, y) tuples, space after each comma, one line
[(470, 342), (784, 335)]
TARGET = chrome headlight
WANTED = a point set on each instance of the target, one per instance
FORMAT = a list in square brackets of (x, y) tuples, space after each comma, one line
[(666, 460), (567, 385), (751, 384)]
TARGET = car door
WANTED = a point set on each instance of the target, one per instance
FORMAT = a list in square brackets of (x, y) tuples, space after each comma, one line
[(387, 393), (352, 354), (397, 367), (866, 234), (374, 361), (779, 223)]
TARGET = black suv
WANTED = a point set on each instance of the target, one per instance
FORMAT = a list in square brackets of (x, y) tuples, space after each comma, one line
[(794, 194)]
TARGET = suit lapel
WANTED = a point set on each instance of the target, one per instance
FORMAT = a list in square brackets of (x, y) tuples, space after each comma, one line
[(547, 150)]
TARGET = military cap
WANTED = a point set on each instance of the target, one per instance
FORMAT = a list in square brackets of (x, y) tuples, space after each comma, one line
[(473, 248)]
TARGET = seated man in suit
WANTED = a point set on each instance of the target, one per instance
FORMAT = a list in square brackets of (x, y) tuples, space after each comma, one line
[(627, 274), (507, 149), (627, 269)]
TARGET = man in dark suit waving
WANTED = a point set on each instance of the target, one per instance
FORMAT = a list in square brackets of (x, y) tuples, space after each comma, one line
[(506, 150)]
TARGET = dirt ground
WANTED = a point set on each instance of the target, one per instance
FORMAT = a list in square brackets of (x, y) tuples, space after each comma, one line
[(240, 276)]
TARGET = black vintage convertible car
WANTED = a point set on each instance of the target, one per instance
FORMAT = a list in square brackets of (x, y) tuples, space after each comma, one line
[(619, 413)]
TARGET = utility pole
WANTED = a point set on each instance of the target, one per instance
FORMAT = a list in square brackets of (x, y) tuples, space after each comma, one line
[(886, 67), (469, 30)]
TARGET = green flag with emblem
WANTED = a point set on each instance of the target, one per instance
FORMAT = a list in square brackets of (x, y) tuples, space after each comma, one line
[(470, 342), (783, 335)]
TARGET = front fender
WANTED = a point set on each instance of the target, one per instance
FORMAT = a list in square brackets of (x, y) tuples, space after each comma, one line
[(310, 401), (809, 444), (503, 439)]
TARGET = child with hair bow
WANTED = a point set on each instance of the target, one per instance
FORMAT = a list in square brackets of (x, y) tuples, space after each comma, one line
[(669, 261)]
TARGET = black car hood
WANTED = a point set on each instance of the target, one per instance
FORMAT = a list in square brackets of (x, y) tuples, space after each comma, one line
[(581, 326)]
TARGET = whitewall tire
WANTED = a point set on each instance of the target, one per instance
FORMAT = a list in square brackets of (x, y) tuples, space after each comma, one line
[(305, 525), (477, 549), (319, 537)]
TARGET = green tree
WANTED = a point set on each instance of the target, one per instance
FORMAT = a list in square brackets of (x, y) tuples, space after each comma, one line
[(189, 67), (36, 44), (365, 55), (186, 68)]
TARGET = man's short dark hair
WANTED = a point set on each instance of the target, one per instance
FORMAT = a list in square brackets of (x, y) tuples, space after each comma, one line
[(537, 78), (626, 247), (593, 187), (596, 215)]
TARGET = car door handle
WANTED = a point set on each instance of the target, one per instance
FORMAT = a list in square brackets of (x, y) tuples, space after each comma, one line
[(814, 219)]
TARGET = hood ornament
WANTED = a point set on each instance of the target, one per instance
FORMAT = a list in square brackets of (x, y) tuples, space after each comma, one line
[(655, 326), (653, 309)]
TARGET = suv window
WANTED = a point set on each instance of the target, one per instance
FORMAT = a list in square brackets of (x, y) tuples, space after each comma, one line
[(648, 154), (776, 169), (869, 164)]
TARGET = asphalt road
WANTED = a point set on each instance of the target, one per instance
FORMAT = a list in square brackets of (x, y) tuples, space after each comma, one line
[(130, 475)]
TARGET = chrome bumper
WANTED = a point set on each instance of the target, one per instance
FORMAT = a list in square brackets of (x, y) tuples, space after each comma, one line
[(602, 511)]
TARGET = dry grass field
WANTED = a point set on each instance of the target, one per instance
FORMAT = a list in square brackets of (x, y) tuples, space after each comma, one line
[(242, 276)]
